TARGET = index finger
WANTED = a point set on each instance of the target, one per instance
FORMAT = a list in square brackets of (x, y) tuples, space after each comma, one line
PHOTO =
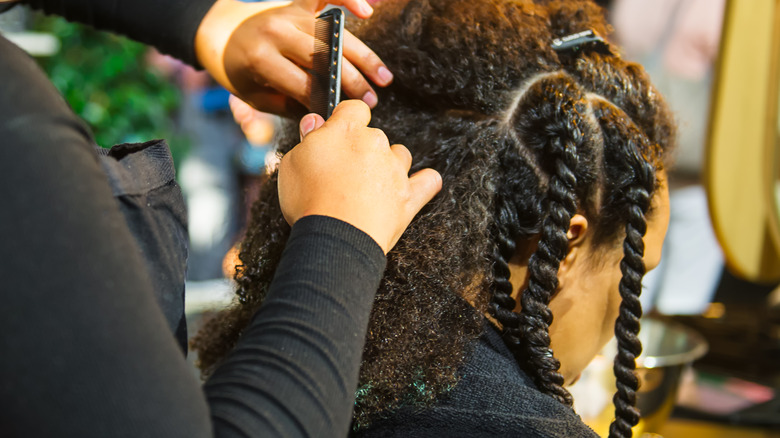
[(362, 57)]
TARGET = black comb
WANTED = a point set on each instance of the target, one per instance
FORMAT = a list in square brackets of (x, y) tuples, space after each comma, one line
[(326, 65)]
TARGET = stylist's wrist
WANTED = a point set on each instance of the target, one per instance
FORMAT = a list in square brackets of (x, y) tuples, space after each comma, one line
[(215, 30)]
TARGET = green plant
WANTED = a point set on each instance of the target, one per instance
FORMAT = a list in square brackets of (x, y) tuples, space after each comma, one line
[(105, 80)]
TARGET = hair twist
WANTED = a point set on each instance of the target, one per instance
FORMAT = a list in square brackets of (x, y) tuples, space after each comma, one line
[(549, 123), (518, 194), (635, 157)]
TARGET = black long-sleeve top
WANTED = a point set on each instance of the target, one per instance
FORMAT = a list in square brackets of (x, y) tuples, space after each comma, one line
[(86, 350), (168, 25)]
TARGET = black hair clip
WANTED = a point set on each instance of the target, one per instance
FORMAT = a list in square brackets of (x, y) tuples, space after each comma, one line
[(585, 40)]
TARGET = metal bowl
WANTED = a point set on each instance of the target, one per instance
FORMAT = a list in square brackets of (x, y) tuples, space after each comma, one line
[(668, 350)]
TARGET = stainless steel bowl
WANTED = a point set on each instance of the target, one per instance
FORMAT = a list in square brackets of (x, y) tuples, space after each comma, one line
[(668, 350)]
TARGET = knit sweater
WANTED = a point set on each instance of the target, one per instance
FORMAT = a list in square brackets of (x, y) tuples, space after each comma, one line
[(494, 398)]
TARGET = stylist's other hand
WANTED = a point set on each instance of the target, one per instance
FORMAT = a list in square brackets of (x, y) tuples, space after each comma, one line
[(259, 52), (348, 171)]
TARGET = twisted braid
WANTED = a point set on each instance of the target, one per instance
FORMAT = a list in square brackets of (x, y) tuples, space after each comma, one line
[(549, 122), (535, 316), (633, 128), (502, 304), (519, 193), (634, 156), (627, 324)]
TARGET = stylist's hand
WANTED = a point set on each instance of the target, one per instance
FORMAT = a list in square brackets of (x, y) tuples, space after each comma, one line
[(345, 170), (259, 52)]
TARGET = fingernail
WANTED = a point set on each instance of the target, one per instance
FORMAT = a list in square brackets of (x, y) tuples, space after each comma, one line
[(370, 99), (307, 125), (385, 75), (367, 9)]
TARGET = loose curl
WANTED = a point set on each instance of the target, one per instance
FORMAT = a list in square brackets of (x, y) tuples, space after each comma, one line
[(524, 138)]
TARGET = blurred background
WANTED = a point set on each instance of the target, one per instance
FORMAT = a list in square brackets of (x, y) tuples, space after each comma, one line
[(711, 365)]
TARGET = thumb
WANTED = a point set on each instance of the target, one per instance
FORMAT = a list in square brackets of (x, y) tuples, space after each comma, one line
[(309, 123), (425, 184)]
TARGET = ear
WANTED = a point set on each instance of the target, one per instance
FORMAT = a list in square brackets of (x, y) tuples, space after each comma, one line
[(576, 235)]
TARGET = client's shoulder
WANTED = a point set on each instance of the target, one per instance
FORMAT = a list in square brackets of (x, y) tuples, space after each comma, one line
[(493, 398)]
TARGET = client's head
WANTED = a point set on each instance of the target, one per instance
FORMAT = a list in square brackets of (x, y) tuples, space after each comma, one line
[(552, 167)]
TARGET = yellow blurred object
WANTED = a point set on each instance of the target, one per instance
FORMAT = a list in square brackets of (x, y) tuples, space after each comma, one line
[(742, 153), (715, 311)]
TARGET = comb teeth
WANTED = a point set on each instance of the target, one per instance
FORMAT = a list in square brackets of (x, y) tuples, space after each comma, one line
[(326, 62)]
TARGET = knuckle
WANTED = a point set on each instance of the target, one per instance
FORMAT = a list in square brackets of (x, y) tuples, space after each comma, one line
[(379, 137), (275, 28), (361, 106), (356, 82), (356, 107), (404, 150), (371, 58), (257, 58)]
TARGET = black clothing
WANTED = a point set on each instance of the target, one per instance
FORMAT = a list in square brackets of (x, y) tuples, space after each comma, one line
[(86, 350), (150, 201), (168, 25), (494, 398), (142, 179)]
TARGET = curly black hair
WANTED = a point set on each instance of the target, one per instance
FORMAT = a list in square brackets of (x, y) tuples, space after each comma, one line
[(524, 138)]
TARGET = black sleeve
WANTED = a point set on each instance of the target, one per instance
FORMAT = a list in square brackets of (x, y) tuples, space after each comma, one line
[(168, 25), (301, 353), (86, 351)]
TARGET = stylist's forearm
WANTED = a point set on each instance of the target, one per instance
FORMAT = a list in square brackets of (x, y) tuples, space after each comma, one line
[(170, 26)]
